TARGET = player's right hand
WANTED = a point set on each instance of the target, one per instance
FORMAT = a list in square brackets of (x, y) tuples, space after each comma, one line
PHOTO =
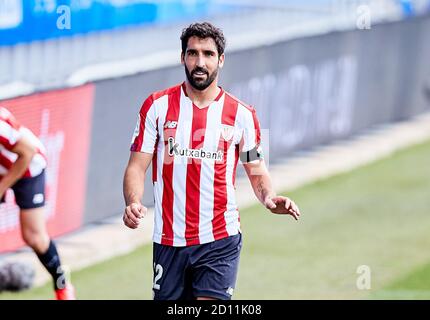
[(132, 215)]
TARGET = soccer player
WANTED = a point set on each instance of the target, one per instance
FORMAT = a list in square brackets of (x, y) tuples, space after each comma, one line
[(194, 134), (22, 168)]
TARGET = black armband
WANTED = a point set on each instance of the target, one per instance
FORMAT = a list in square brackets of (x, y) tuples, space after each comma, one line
[(252, 155)]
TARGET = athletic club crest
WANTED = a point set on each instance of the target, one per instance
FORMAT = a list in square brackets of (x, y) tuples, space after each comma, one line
[(227, 132)]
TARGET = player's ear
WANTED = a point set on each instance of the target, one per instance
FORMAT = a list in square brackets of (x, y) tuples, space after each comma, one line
[(182, 58), (221, 60)]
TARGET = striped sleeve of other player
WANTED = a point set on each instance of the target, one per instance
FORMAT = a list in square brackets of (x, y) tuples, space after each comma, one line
[(9, 129), (250, 143), (145, 133)]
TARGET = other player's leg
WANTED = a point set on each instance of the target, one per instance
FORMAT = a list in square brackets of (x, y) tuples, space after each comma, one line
[(35, 235)]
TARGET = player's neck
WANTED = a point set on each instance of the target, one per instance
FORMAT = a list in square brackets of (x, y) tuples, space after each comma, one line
[(203, 98)]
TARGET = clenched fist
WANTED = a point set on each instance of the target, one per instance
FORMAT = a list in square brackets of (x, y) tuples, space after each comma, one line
[(133, 213)]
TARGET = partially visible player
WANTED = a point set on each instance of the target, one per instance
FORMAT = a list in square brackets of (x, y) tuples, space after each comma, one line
[(22, 168)]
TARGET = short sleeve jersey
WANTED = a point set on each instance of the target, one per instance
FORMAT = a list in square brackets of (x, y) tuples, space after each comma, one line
[(196, 151)]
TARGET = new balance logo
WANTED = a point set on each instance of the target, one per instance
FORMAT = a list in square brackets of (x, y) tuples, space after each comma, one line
[(174, 149), (170, 124)]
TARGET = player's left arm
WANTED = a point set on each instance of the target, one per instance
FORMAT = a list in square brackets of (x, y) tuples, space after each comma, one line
[(261, 183), (25, 152)]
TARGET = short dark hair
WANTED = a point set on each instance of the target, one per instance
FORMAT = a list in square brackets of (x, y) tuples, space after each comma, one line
[(203, 30)]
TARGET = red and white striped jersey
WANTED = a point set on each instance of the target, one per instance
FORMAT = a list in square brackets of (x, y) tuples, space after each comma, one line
[(10, 133), (196, 152)]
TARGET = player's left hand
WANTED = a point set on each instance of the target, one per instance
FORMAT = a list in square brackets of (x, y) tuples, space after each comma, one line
[(282, 205)]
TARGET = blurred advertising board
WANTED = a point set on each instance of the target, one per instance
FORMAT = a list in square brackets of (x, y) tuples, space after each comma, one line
[(31, 20)]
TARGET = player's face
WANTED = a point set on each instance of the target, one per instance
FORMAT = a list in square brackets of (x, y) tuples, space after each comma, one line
[(201, 61)]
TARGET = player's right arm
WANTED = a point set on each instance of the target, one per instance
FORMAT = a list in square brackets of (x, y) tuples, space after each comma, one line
[(13, 141), (133, 187), (142, 149), (25, 152)]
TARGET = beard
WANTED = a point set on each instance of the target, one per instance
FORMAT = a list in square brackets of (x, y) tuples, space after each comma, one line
[(199, 83)]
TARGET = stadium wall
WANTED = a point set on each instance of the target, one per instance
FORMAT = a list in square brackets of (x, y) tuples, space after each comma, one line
[(307, 92)]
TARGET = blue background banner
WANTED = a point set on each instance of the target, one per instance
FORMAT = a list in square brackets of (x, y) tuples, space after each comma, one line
[(29, 20)]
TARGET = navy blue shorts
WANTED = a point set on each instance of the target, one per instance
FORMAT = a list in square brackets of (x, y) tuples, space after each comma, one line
[(30, 192), (205, 270)]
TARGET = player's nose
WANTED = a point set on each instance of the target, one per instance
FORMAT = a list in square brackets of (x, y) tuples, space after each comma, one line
[(200, 61)]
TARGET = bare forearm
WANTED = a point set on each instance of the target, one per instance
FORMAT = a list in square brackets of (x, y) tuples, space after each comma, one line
[(262, 186), (260, 180), (133, 186), (15, 172)]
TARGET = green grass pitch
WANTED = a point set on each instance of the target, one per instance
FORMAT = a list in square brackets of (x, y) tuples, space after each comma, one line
[(377, 215)]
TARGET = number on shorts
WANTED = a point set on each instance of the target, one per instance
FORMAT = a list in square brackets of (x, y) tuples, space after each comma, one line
[(158, 270)]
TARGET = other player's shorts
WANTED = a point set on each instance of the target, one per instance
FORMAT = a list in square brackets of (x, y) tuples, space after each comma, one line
[(205, 270), (30, 192)]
